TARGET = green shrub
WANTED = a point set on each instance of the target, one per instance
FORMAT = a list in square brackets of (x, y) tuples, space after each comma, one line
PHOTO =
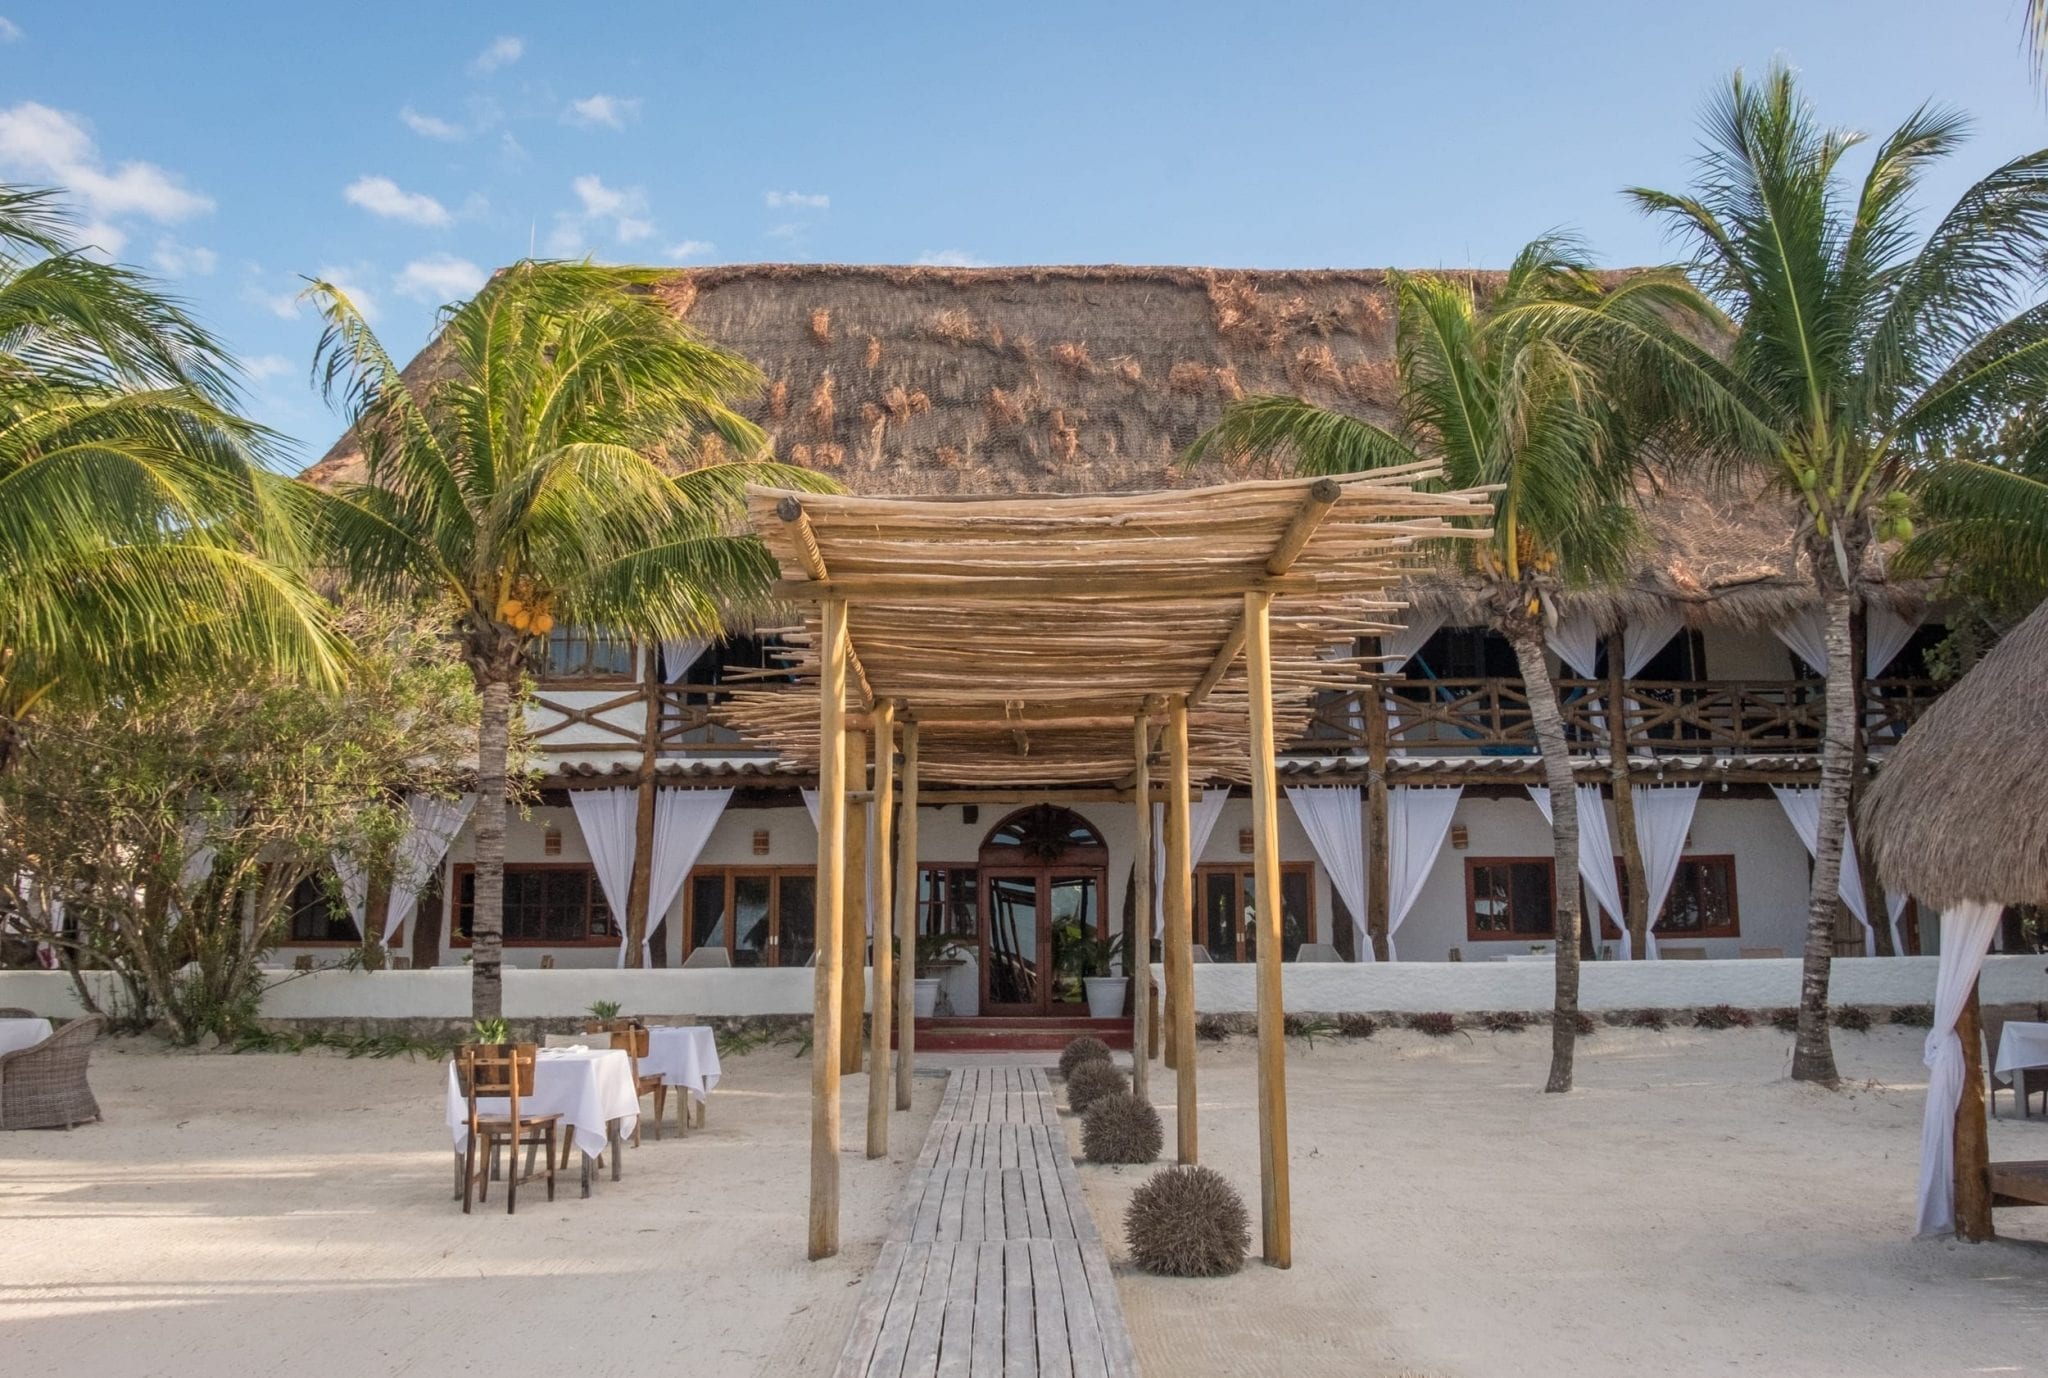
[(1854, 1018), (1091, 1081), (1785, 1020), (1648, 1019), (1357, 1025), (1082, 1049), (1505, 1021), (1187, 1222), (1720, 1017), (1120, 1128), (1436, 1025)]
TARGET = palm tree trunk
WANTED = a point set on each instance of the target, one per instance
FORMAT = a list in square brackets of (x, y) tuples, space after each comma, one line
[(1636, 899), (1813, 1054), (487, 925), (1564, 833)]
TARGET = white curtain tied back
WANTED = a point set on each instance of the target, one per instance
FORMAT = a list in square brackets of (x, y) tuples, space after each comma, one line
[(1596, 854), (1802, 809), (431, 825), (1333, 819), (1418, 819), (683, 820), (1966, 931), (1663, 818), (1202, 816)]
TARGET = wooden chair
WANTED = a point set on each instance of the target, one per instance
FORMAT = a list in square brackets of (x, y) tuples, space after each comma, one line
[(507, 1075), (631, 1039), (44, 1087)]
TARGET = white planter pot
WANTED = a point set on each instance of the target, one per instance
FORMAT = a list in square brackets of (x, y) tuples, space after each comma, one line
[(926, 996), (1105, 996)]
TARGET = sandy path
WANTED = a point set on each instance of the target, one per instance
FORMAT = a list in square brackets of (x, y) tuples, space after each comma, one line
[(1686, 1212), (291, 1215)]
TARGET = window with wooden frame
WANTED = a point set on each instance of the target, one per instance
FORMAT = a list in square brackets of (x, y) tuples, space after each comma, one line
[(949, 901), (1509, 898), (579, 655), (558, 905), (315, 913), (763, 916), (1227, 899), (1701, 903)]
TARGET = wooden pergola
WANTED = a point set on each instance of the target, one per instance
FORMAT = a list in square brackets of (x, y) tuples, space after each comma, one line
[(1064, 643)]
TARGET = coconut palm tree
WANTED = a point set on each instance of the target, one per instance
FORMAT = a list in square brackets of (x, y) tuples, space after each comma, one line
[(1866, 351), (1545, 388), (549, 462), (139, 533)]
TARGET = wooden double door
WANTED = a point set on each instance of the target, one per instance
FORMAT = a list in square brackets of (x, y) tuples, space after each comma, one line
[(1032, 917)]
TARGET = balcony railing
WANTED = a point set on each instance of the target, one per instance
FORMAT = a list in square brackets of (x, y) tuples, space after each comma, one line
[(1490, 717)]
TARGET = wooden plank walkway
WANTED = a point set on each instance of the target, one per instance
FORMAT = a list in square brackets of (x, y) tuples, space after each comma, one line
[(993, 1266)]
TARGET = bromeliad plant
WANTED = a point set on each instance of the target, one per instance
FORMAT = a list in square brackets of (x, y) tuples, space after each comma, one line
[(559, 458)]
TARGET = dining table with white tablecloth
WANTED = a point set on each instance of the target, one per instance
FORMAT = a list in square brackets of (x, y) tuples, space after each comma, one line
[(685, 1057), (590, 1088), (2022, 1049), (16, 1034)]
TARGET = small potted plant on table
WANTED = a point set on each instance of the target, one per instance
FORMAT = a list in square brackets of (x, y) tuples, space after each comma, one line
[(492, 1036)]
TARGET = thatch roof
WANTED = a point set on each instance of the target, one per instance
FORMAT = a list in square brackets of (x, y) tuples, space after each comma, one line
[(1960, 810), (952, 381)]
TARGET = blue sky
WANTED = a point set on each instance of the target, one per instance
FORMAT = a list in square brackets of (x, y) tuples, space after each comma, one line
[(233, 146)]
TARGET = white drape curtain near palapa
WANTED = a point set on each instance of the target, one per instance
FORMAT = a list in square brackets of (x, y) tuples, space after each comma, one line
[(810, 798), (683, 820), (1663, 818), (1966, 931), (1802, 808), (1596, 854), (1398, 647), (431, 826), (1577, 643), (1333, 818), (1418, 820), (678, 656), (1202, 816), (1885, 634)]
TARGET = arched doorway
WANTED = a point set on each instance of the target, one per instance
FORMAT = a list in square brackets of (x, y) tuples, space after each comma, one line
[(1043, 873)]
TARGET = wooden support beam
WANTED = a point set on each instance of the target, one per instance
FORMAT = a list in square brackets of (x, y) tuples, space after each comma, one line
[(907, 882), (1138, 942), (1378, 887), (853, 921), (825, 1011), (1033, 588), (884, 948), (1219, 666), (1322, 495), (1972, 1132), (1179, 923), (939, 799), (1066, 713), (813, 560), (1275, 1211)]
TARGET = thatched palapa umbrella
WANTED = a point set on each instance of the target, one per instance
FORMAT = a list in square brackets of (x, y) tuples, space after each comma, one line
[(1959, 817)]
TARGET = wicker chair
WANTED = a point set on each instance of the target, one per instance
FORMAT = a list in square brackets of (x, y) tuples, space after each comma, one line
[(44, 1087)]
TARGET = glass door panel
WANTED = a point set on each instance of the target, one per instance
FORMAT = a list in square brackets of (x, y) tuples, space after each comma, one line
[(707, 911), (1220, 912), (750, 896), (1012, 962), (797, 919), (1073, 904)]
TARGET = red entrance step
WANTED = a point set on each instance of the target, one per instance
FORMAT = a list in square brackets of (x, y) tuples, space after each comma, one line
[(1008, 1035)]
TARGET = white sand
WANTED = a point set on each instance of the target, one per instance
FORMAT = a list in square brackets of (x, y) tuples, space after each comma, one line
[(292, 1216), (1686, 1212)]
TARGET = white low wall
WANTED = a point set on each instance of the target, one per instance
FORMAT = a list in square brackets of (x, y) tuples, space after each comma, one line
[(1322, 988), (1457, 987)]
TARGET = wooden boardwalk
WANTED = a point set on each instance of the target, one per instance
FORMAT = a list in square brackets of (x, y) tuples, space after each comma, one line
[(993, 1266)]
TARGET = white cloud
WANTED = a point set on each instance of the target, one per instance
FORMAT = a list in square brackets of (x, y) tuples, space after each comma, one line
[(286, 305), (609, 111), (49, 144), (632, 229), (384, 197), (691, 248), (949, 258), (183, 260), (430, 126), (10, 32), (502, 52), (797, 200), (440, 278), (100, 239), (512, 152), (622, 209), (786, 231), (263, 367), (599, 199)]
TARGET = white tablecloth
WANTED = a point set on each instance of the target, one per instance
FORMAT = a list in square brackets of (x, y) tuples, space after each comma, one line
[(2021, 1045), (588, 1088), (685, 1057), (16, 1034)]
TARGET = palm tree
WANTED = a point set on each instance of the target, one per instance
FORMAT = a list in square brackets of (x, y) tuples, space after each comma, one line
[(531, 473), (1543, 389), (139, 533), (1865, 352)]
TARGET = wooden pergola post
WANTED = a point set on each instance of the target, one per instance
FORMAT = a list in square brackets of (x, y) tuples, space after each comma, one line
[(884, 945), (1972, 1133), (853, 923), (1379, 829), (1179, 932), (1275, 1210), (638, 920), (907, 883), (1138, 942), (824, 1222)]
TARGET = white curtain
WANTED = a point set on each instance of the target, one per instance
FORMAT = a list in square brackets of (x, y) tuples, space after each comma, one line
[(1663, 817), (1399, 647), (1334, 822), (355, 886), (810, 798), (1806, 632), (1645, 636), (1966, 931), (1577, 643), (678, 656), (1418, 818), (683, 820), (1596, 856), (1802, 808), (431, 824), (1885, 634), (1202, 816), (606, 818)]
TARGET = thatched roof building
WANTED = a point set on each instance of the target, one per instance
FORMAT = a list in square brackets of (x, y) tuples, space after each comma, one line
[(1960, 811), (1095, 379)]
